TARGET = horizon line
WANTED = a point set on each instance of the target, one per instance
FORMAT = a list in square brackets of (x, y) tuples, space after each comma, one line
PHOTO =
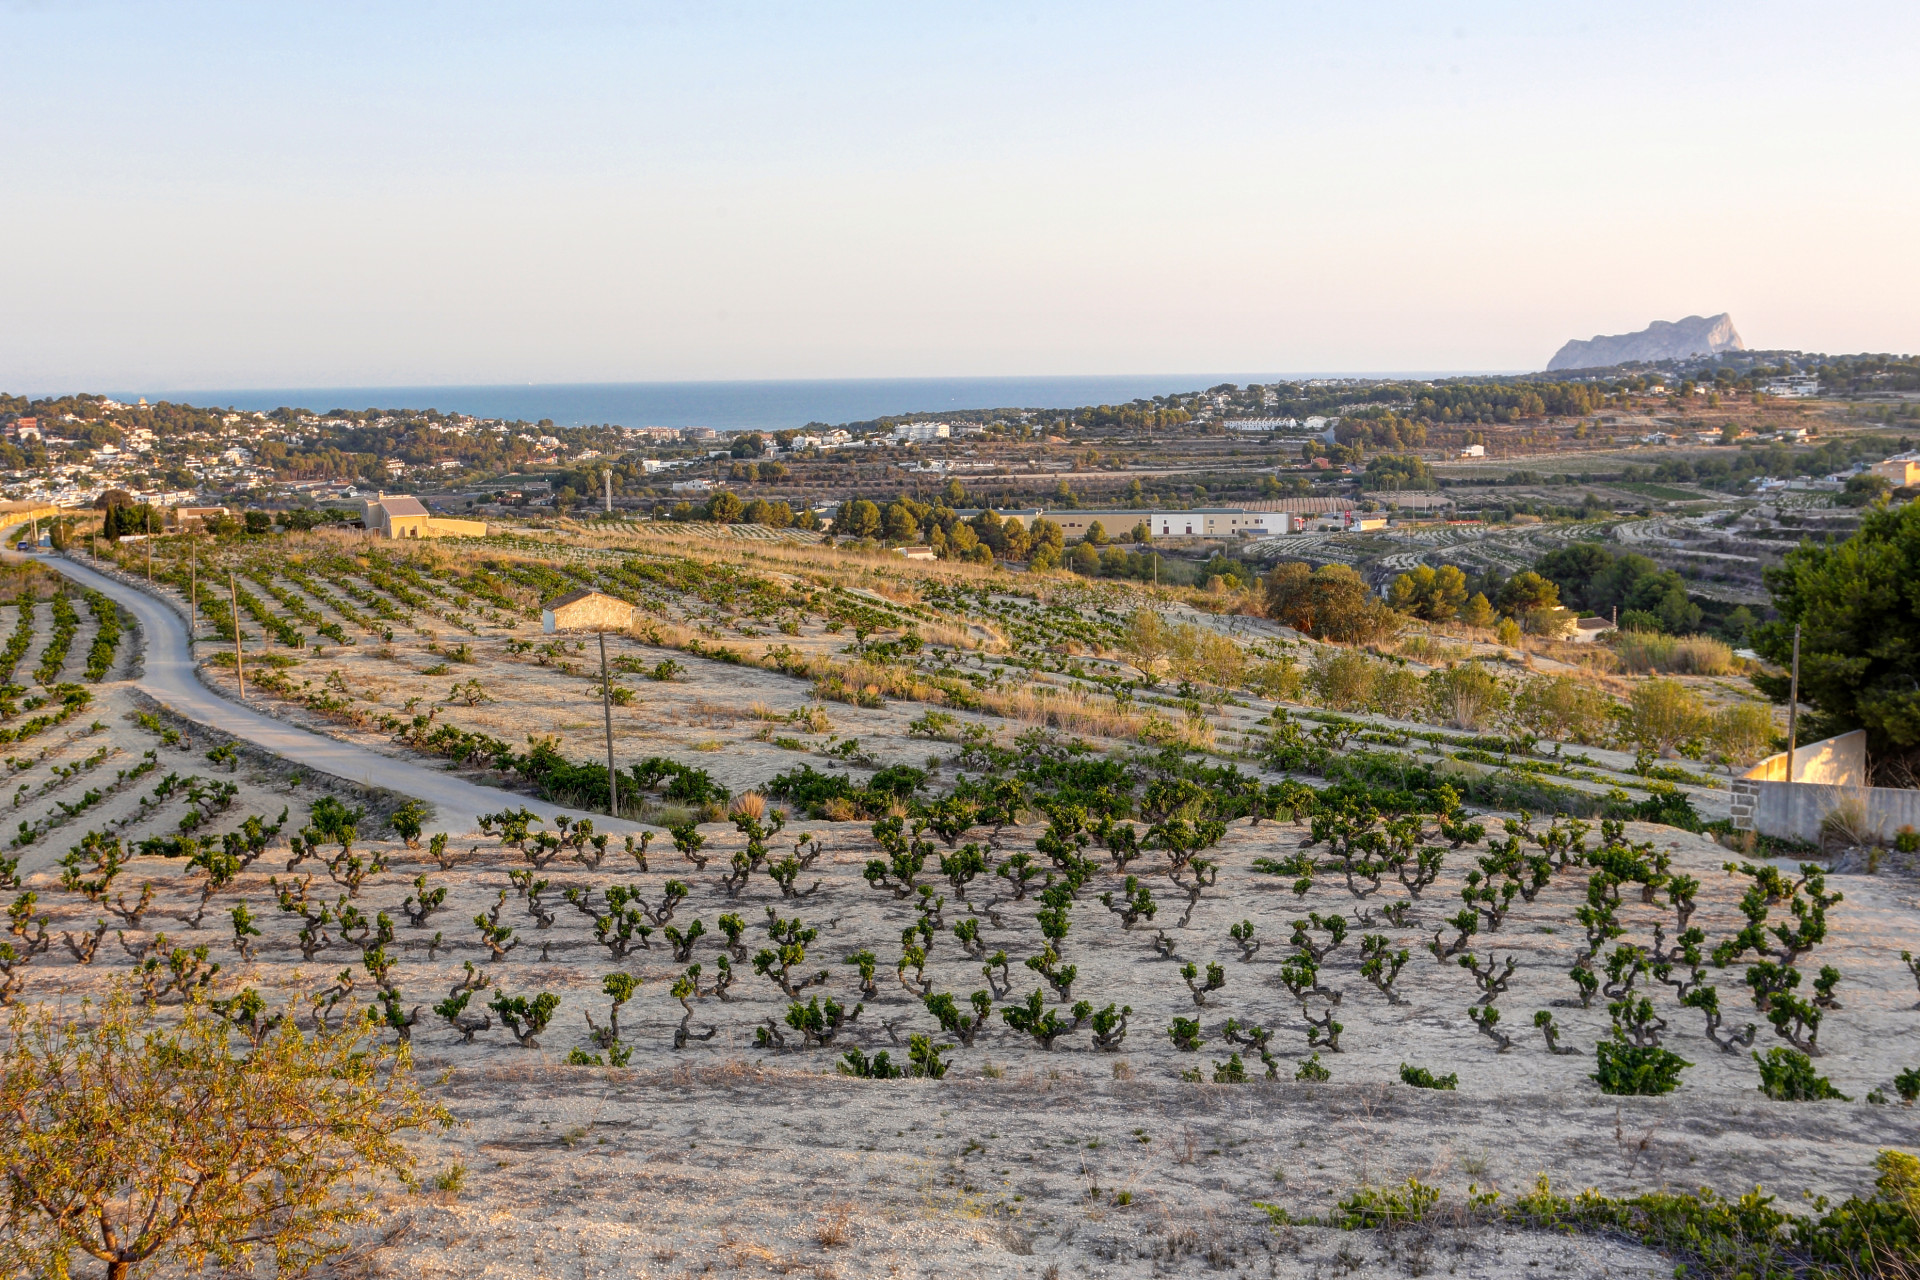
[(1246, 377)]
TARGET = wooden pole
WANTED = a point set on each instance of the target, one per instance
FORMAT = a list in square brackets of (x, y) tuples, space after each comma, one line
[(1793, 704), (193, 600), (149, 544), (606, 708), (239, 653)]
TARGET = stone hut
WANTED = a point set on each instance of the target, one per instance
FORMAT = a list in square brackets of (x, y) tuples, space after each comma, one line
[(586, 610)]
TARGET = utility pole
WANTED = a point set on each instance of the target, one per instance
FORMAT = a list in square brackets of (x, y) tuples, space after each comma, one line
[(606, 708), (1793, 704), (193, 600), (239, 652), (149, 544), (607, 474)]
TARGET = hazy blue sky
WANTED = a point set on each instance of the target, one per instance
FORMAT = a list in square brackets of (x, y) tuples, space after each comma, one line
[(286, 194)]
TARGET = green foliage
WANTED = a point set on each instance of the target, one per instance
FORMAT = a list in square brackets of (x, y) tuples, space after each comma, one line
[(817, 1023), (1435, 595), (525, 1018), (1185, 1034), (106, 638), (1421, 1078), (1751, 1237), (1328, 603), (1216, 978), (1787, 1075), (1398, 472), (947, 1012), (407, 821), (1636, 1070), (1136, 903), (1591, 578), (1374, 1207), (1110, 1027), (906, 858), (335, 822), (1860, 625), (1232, 1071), (811, 792), (684, 784), (879, 1067), (1044, 1025), (781, 961)]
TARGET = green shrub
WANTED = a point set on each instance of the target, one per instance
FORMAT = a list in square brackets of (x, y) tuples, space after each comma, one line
[(1232, 1071), (1636, 1070), (1750, 1237), (1787, 1075), (1372, 1207), (1185, 1034), (1421, 1078)]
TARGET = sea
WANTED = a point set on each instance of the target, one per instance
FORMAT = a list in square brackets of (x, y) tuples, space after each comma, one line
[(731, 406)]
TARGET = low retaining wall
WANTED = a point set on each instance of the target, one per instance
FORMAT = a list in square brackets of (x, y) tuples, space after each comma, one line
[(1799, 810), (1840, 762)]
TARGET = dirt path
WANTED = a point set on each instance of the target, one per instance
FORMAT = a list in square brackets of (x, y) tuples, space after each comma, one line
[(171, 677)]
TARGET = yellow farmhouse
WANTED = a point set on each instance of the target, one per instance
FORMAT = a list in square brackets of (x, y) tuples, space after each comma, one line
[(405, 517)]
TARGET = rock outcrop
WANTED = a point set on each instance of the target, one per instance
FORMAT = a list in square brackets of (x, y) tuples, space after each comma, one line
[(1661, 340)]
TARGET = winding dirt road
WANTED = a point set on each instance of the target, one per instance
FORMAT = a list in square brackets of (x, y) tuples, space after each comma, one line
[(171, 677)]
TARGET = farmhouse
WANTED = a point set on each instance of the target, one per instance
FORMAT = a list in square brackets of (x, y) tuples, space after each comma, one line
[(586, 610), (200, 515), (406, 517), (1588, 630)]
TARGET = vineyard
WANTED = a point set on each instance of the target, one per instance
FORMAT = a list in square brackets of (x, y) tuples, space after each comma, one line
[(1037, 940)]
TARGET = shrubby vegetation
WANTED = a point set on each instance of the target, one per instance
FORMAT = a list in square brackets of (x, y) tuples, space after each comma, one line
[(1859, 669), (279, 1131)]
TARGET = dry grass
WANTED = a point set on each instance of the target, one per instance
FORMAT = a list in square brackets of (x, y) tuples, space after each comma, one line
[(899, 593), (832, 1229), (962, 636), (1431, 650), (1071, 712), (1847, 823), (1644, 653), (812, 718)]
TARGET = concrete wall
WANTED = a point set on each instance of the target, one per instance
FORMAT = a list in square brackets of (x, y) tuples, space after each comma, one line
[(1828, 777), (432, 527), (1798, 810), (1839, 762)]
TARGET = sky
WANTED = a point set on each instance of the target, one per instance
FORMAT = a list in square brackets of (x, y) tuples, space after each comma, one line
[(288, 194)]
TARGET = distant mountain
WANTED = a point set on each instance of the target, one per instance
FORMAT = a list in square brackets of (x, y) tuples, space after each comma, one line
[(1661, 340)]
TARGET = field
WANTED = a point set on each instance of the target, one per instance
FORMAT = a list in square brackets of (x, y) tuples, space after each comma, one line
[(1150, 962)]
